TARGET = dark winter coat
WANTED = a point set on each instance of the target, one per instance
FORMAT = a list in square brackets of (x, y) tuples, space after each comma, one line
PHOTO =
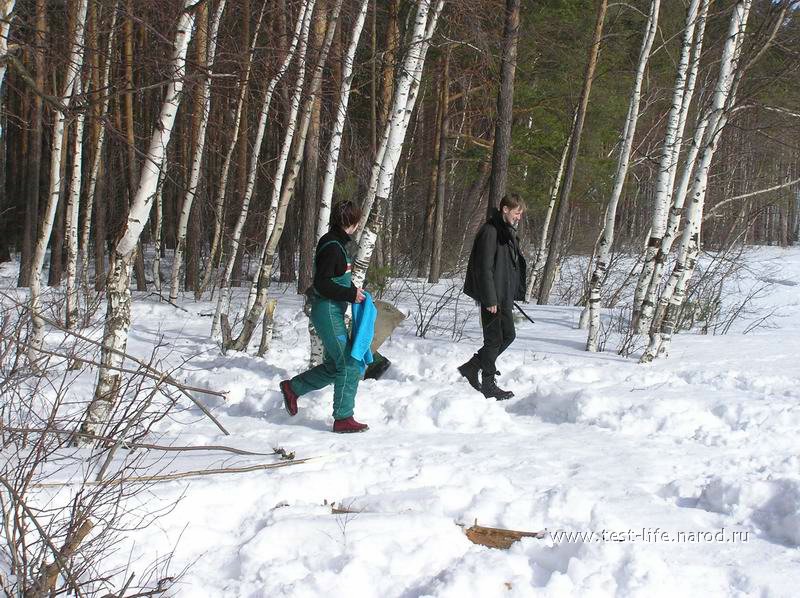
[(332, 261), (496, 272)]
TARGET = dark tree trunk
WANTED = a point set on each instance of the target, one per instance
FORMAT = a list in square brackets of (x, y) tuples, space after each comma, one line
[(505, 104), (30, 232), (562, 214)]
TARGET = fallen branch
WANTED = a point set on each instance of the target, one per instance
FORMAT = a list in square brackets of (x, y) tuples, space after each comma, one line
[(140, 445), (158, 374), (177, 476), (495, 537)]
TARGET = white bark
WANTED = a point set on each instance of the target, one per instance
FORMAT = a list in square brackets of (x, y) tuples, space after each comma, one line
[(300, 31), (260, 286), (98, 156), (406, 86), (338, 126), (197, 159), (118, 311), (647, 309), (629, 131), (216, 243), (724, 96), (74, 65), (6, 10), (326, 199), (403, 101), (797, 217), (73, 207), (673, 139)]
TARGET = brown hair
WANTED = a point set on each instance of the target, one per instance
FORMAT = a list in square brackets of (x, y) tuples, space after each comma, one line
[(512, 201), (344, 214)]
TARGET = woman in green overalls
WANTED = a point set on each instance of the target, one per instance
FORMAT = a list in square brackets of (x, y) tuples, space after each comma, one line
[(333, 289)]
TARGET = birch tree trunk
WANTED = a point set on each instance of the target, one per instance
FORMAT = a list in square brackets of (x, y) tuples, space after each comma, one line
[(628, 134), (505, 104), (286, 150), (118, 310), (301, 30), (332, 161), (215, 253), (204, 110), (6, 10), (394, 132), (281, 198), (551, 265), (73, 207), (673, 138), (391, 145), (644, 318), (97, 154), (723, 98), (73, 74)]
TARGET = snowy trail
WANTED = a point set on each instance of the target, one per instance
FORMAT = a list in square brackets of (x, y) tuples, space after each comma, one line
[(699, 444)]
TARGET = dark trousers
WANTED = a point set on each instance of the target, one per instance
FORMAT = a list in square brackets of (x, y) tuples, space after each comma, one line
[(498, 334)]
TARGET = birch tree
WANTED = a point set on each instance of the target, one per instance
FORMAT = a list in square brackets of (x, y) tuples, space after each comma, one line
[(301, 31), (118, 294), (406, 90), (717, 116), (281, 197), (643, 318), (219, 203), (73, 207), (332, 161), (6, 15), (197, 159), (74, 64), (628, 134), (673, 139), (94, 171)]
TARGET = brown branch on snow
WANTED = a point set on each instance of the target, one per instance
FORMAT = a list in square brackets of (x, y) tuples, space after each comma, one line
[(493, 537), (146, 446), (177, 476)]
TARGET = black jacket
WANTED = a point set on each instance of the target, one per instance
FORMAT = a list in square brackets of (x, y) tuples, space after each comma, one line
[(330, 262), (496, 272)]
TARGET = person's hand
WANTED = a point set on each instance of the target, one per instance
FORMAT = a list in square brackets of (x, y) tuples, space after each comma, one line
[(359, 295), (492, 309)]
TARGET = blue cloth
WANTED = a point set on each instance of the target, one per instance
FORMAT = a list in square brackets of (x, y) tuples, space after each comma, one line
[(364, 316)]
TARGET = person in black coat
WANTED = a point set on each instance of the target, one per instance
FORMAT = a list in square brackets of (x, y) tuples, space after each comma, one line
[(496, 275)]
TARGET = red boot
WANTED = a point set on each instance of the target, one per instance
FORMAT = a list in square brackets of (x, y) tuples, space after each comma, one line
[(348, 426), (289, 398)]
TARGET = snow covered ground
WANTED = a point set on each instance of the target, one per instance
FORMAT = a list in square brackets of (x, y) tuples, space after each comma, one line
[(682, 475)]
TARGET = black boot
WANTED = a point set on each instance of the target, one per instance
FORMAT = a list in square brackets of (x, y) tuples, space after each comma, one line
[(470, 371), (377, 368), (490, 390)]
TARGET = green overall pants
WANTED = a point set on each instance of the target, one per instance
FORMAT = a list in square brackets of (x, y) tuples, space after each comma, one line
[(338, 367)]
